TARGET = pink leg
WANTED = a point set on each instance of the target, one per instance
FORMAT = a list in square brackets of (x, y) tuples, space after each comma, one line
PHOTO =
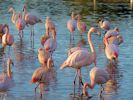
[(74, 82), (35, 91)]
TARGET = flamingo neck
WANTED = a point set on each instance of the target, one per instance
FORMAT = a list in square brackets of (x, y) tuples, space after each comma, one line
[(7, 29), (91, 45)]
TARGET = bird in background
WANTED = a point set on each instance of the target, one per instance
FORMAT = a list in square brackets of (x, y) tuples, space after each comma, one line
[(81, 58), (97, 76), (71, 26), (81, 26), (7, 39), (113, 36), (104, 24), (14, 14), (20, 25), (6, 78), (50, 27), (111, 51), (30, 20)]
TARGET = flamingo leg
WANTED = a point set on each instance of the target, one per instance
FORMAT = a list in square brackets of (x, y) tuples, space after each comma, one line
[(74, 82), (80, 80), (33, 37), (41, 90), (35, 91), (101, 91)]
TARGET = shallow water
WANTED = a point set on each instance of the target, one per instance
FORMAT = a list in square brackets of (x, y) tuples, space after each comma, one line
[(61, 85)]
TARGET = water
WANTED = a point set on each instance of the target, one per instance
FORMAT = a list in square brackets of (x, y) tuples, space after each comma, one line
[(61, 86)]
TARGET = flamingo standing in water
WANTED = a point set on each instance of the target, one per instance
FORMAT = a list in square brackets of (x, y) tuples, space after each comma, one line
[(40, 76), (71, 26), (14, 15), (97, 76), (20, 25), (81, 25), (44, 57), (81, 58), (6, 78), (7, 39), (31, 20), (111, 50), (50, 27)]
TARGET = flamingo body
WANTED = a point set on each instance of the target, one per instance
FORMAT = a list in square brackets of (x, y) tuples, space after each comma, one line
[(50, 45)]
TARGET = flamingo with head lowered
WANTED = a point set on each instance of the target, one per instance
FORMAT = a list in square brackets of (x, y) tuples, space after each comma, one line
[(97, 76), (81, 58), (20, 25)]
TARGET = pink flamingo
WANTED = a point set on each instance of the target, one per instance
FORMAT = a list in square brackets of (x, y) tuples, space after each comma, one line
[(31, 20), (114, 37), (6, 78), (104, 24), (20, 25), (14, 15), (2, 32), (111, 50), (81, 25), (71, 25), (81, 58), (50, 27), (97, 76), (50, 45), (7, 39), (44, 57), (40, 76)]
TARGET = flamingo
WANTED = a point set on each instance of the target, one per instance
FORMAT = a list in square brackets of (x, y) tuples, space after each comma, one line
[(41, 76), (44, 57), (2, 32), (14, 15), (113, 36), (31, 20), (111, 50), (104, 24), (71, 25), (81, 58), (81, 26), (43, 39), (7, 39), (6, 78), (20, 25), (50, 45), (97, 76), (50, 27)]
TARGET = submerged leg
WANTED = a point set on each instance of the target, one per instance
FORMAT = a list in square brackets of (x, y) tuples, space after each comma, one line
[(35, 91)]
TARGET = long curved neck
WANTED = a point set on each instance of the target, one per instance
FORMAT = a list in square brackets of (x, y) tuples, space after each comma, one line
[(9, 70), (91, 44), (7, 29)]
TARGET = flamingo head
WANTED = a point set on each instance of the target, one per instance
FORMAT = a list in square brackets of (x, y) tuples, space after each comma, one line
[(78, 17), (85, 89), (116, 29), (115, 55), (94, 30), (72, 15), (11, 9), (24, 7)]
